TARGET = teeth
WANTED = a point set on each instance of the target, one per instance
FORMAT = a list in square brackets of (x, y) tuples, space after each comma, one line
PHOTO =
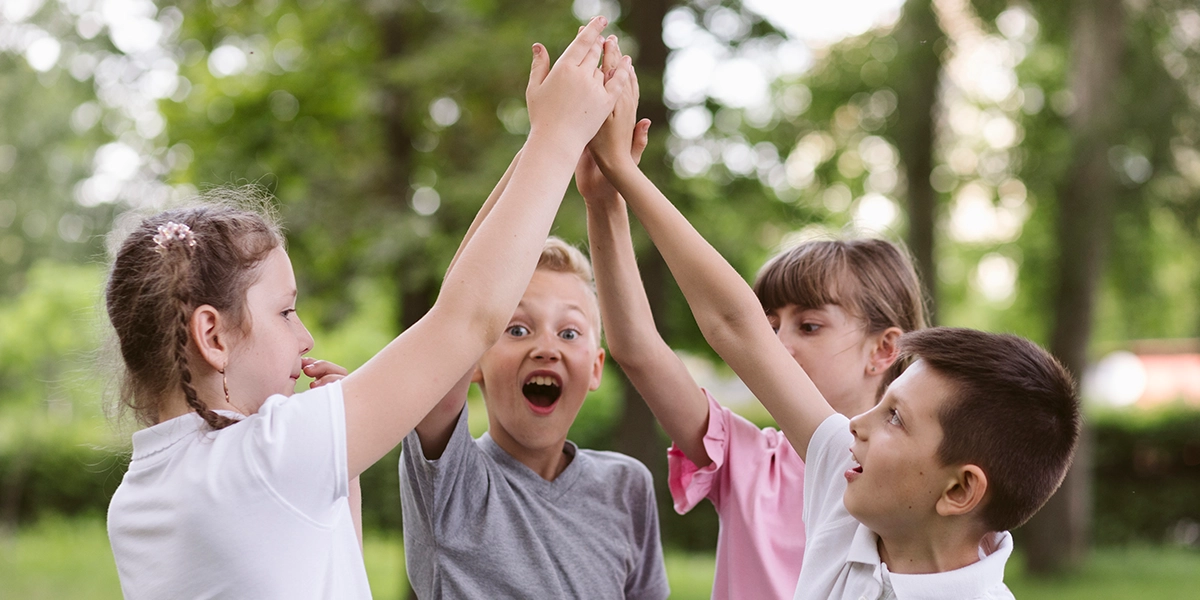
[(542, 380)]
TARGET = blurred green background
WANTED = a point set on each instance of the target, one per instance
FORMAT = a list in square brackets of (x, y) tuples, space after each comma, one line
[(1038, 157)]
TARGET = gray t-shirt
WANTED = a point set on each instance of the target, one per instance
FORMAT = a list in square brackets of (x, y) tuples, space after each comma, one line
[(479, 524)]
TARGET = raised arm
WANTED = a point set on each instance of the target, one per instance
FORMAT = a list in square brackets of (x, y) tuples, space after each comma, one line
[(394, 391), (437, 426), (725, 307), (633, 340)]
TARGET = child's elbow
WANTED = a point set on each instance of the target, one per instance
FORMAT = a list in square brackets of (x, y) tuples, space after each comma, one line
[(478, 323)]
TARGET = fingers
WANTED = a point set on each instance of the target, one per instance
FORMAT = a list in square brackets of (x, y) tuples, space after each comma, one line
[(621, 78), (587, 45), (540, 67), (326, 380), (318, 369), (641, 137), (634, 88), (612, 56)]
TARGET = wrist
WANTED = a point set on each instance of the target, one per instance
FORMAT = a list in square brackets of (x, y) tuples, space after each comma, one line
[(601, 202), (618, 169), (555, 141)]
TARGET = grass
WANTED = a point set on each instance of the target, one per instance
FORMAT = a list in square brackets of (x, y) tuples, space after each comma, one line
[(59, 558)]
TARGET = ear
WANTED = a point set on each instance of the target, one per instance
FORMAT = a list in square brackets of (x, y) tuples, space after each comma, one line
[(477, 375), (208, 332), (965, 492), (597, 371), (885, 352)]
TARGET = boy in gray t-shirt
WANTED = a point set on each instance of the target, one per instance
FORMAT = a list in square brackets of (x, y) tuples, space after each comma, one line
[(522, 512)]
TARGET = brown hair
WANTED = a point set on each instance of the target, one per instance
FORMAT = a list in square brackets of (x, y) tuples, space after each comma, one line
[(154, 288), (872, 279), (560, 257), (1014, 413)]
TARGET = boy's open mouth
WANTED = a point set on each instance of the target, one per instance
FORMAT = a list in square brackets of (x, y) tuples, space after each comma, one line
[(542, 390)]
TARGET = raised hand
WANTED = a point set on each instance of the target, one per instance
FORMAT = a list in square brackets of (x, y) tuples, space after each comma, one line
[(591, 182), (571, 99), (612, 145)]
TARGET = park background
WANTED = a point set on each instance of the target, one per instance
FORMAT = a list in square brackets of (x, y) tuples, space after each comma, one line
[(1038, 157)]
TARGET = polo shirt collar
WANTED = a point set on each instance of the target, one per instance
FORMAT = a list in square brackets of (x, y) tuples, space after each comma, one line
[(971, 581), (159, 438)]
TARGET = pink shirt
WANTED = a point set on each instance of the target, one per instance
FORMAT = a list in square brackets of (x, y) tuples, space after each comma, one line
[(756, 483)]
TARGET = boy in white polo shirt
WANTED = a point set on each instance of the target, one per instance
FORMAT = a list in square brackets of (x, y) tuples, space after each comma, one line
[(913, 498)]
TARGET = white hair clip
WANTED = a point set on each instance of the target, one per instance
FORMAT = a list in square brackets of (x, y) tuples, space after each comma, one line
[(171, 233)]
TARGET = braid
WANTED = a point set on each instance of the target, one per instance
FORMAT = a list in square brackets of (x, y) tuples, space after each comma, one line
[(178, 257), (171, 263)]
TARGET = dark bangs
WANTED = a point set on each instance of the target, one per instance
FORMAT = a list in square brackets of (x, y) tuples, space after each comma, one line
[(811, 275)]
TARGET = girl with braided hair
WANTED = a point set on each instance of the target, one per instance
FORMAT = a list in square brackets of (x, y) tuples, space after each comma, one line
[(239, 488)]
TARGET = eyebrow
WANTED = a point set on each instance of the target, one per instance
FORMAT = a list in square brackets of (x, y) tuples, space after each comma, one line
[(571, 306)]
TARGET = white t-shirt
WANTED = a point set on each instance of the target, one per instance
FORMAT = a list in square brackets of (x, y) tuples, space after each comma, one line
[(258, 510), (841, 556)]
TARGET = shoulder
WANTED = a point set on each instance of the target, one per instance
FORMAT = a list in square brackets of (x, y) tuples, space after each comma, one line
[(615, 473), (615, 464)]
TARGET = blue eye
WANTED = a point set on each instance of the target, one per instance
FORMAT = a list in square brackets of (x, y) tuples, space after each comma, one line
[(518, 331), (809, 327), (893, 417), (569, 334)]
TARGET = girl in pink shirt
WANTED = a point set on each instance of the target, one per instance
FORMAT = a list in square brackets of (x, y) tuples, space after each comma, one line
[(839, 307)]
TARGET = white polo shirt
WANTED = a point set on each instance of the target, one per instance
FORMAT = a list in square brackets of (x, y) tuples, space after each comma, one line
[(841, 556), (257, 510)]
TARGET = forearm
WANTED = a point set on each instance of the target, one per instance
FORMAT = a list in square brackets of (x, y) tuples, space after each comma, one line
[(485, 209), (436, 428), (508, 241), (424, 363), (657, 373), (722, 303), (727, 311)]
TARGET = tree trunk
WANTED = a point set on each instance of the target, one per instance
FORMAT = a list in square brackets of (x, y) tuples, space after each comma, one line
[(920, 38), (402, 29), (1058, 534), (638, 433)]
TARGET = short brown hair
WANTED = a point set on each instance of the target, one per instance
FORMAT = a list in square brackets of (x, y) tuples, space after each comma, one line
[(872, 279), (560, 257), (153, 289), (1014, 413)]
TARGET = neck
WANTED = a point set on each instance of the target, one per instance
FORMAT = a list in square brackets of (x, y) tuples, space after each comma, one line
[(207, 386), (548, 462), (930, 550)]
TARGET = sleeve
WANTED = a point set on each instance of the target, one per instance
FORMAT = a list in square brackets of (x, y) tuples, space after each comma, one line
[(737, 448), (429, 488), (648, 578), (824, 482), (297, 446)]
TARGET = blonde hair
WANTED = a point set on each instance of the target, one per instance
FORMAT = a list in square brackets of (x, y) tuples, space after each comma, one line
[(560, 257)]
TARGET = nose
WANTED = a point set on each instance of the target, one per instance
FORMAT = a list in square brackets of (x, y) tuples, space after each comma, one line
[(545, 347), (856, 427), (305, 338), (788, 340)]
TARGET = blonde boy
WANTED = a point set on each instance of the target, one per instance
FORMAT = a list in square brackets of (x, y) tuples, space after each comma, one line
[(522, 512)]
